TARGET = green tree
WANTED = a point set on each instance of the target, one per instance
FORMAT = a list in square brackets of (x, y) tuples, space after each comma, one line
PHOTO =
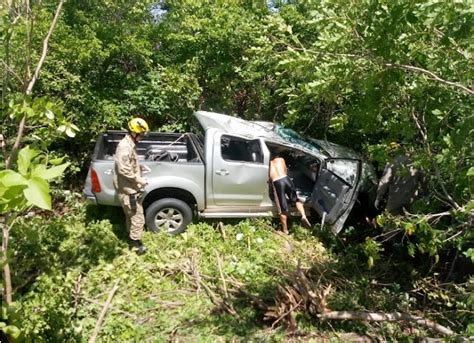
[(28, 186), (376, 72)]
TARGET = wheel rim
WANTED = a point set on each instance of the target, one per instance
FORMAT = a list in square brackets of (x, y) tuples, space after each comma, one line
[(169, 219)]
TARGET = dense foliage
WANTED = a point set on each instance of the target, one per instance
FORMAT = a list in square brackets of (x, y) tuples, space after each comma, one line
[(363, 73)]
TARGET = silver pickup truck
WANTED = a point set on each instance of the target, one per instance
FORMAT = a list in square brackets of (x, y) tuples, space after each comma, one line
[(221, 171)]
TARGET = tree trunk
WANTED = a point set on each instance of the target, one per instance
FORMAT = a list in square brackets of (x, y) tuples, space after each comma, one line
[(7, 280)]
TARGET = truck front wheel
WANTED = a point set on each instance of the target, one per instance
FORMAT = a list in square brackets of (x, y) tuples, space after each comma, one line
[(169, 214)]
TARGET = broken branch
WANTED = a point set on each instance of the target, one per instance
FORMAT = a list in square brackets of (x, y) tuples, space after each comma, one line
[(219, 264), (286, 313), (98, 325), (220, 226), (388, 317)]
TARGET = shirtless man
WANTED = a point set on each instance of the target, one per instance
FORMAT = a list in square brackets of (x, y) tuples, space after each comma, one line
[(284, 191)]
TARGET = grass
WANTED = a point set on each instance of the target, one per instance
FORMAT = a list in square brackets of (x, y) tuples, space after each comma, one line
[(208, 284), (159, 290)]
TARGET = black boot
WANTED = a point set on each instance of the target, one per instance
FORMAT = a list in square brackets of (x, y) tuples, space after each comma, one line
[(138, 246)]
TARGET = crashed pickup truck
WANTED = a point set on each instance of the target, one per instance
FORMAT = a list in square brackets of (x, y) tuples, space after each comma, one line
[(221, 171)]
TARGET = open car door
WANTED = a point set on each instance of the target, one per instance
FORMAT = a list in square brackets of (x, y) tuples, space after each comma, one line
[(335, 190)]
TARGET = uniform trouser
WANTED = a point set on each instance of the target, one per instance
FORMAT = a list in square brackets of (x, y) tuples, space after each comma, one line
[(135, 219)]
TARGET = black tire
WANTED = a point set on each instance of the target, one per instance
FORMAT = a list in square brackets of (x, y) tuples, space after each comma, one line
[(172, 215)]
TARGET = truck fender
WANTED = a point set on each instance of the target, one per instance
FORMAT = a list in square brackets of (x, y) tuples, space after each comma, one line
[(180, 183)]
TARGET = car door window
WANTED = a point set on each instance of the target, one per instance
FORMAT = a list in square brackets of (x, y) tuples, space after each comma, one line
[(335, 190), (241, 150)]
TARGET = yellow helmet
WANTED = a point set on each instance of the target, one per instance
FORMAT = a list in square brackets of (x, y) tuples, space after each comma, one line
[(138, 125)]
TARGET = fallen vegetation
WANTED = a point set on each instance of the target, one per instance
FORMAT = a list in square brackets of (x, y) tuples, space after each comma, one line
[(217, 281)]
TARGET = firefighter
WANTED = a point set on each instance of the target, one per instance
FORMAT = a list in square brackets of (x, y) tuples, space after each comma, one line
[(129, 182)]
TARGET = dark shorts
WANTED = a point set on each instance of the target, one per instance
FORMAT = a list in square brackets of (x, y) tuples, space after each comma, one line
[(284, 192)]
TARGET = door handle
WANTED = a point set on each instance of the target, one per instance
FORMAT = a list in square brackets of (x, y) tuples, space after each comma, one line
[(222, 172), (108, 172)]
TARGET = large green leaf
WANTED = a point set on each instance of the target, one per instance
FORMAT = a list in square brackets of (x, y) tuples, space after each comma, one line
[(24, 159), (12, 198), (40, 171), (9, 178), (37, 193), (10, 193)]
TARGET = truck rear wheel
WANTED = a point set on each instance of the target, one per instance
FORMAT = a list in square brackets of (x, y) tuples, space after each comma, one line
[(168, 214)]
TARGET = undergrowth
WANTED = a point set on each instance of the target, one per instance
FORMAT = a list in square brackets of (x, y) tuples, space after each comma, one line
[(206, 284)]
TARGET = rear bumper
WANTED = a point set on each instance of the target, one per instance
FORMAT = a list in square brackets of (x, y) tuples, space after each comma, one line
[(90, 197)]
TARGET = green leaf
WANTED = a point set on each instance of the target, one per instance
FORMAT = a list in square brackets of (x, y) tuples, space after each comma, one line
[(470, 172), (56, 161), (37, 193), (12, 331), (409, 228), (370, 262), (438, 114), (49, 114), (411, 249), (470, 329), (469, 253), (24, 159), (9, 178), (380, 220), (29, 112), (40, 171), (70, 132), (4, 312), (12, 198)]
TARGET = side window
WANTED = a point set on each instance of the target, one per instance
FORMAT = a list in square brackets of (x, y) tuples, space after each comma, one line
[(242, 150)]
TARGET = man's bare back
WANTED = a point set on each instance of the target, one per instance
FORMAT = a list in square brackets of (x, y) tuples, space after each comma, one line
[(284, 191), (277, 168)]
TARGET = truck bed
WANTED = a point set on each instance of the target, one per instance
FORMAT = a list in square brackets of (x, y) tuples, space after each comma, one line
[(178, 145), (183, 163)]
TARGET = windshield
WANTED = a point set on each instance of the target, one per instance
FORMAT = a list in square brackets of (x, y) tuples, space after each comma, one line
[(293, 137)]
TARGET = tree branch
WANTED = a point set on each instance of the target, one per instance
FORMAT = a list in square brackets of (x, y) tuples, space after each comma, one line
[(98, 325), (31, 84), (98, 303), (286, 313), (432, 76), (424, 134), (219, 264), (386, 317), (11, 71), (6, 266)]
